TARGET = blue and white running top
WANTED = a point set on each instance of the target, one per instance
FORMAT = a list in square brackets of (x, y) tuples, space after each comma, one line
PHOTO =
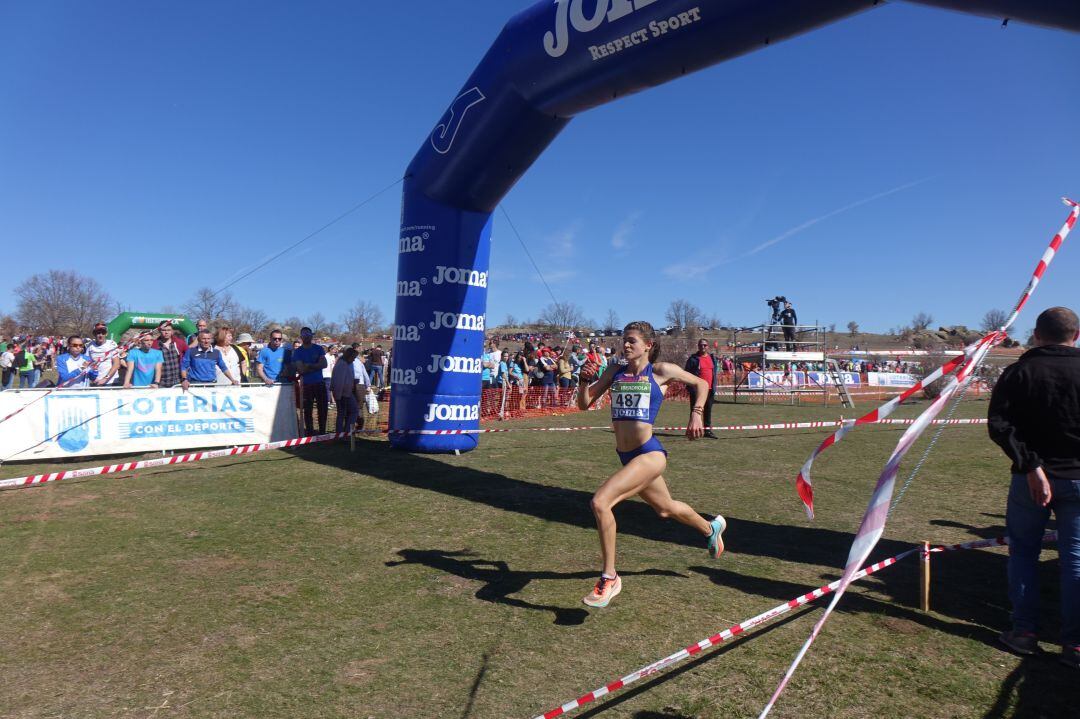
[(635, 397)]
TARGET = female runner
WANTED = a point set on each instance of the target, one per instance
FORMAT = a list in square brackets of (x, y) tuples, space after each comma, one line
[(636, 394)]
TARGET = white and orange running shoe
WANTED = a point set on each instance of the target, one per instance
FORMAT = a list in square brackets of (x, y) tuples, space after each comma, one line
[(605, 590)]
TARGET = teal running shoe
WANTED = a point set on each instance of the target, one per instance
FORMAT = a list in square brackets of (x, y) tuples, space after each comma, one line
[(716, 539)]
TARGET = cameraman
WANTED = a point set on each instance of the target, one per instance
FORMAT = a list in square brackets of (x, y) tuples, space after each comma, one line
[(704, 365), (788, 320)]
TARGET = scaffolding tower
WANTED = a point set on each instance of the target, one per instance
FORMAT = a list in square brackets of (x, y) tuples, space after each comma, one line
[(762, 351)]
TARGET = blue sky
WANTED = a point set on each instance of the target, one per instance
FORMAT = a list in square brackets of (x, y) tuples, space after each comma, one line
[(906, 159)]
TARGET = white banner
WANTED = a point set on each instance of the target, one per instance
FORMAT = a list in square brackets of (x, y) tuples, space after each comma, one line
[(890, 379), (95, 421)]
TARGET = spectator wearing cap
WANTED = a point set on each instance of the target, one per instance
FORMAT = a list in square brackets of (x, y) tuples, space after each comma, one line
[(272, 359), (143, 364), (105, 354), (309, 359), (202, 363), (172, 348), (243, 346)]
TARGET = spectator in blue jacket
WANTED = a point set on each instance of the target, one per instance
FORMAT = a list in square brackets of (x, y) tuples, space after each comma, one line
[(201, 362)]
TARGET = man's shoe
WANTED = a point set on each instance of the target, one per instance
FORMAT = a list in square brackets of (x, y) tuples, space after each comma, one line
[(1070, 657), (1019, 641), (710, 435), (716, 540), (604, 591)]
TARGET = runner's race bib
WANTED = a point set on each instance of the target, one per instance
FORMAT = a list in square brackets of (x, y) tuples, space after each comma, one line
[(630, 399)]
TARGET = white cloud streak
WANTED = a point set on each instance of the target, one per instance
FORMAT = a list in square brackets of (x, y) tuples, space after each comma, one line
[(787, 234), (624, 230)]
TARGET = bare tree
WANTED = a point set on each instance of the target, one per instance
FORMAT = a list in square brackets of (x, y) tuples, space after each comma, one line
[(363, 319), (318, 324), (510, 321), (921, 321), (852, 328), (9, 326), (562, 316), (215, 308), (993, 320), (684, 315), (611, 322), (61, 302), (248, 319)]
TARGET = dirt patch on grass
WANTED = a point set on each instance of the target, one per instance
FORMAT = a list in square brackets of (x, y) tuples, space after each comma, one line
[(74, 500), (265, 592), (23, 518), (900, 626), (210, 565), (360, 671)]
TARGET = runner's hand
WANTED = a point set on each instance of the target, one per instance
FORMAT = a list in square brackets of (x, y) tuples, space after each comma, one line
[(589, 371), (695, 429)]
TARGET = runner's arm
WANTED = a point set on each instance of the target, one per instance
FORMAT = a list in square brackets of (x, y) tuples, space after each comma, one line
[(589, 393)]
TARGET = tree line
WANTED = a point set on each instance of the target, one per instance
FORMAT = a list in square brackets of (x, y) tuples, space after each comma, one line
[(62, 302)]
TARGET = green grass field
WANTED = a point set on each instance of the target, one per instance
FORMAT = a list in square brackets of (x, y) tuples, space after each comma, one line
[(328, 583)]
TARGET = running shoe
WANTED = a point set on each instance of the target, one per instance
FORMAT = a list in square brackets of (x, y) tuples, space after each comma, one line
[(604, 591), (1070, 656), (716, 540)]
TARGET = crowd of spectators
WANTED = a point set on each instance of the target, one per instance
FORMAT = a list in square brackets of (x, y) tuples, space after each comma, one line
[(331, 375)]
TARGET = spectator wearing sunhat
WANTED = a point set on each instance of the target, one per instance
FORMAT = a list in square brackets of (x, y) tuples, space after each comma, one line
[(243, 346)]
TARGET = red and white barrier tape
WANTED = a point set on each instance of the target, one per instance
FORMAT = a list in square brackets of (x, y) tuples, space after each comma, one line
[(36, 479), (742, 627), (873, 523), (723, 428), (39, 479)]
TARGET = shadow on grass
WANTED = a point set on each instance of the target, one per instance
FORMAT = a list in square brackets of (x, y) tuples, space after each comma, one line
[(969, 586), (500, 581), (682, 669), (1039, 688)]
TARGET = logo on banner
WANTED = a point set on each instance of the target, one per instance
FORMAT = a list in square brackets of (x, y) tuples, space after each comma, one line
[(411, 288), (571, 13), (73, 420), (457, 321), (459, 276), (446, 363), (442, 137), (412, 244), (404, 376), (407, 333), (452, 412)]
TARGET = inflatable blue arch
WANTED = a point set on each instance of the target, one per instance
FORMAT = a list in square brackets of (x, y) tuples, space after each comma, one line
[(555, 60)]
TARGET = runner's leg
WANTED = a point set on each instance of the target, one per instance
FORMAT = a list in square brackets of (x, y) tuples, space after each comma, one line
[(657, 495), (625, 483)]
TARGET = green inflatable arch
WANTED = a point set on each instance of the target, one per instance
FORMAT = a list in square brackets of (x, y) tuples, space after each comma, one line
[(146, 321)]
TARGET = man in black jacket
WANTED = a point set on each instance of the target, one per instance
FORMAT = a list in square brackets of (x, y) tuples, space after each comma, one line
[(788, 320), (1034, 417), (704, 365)]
